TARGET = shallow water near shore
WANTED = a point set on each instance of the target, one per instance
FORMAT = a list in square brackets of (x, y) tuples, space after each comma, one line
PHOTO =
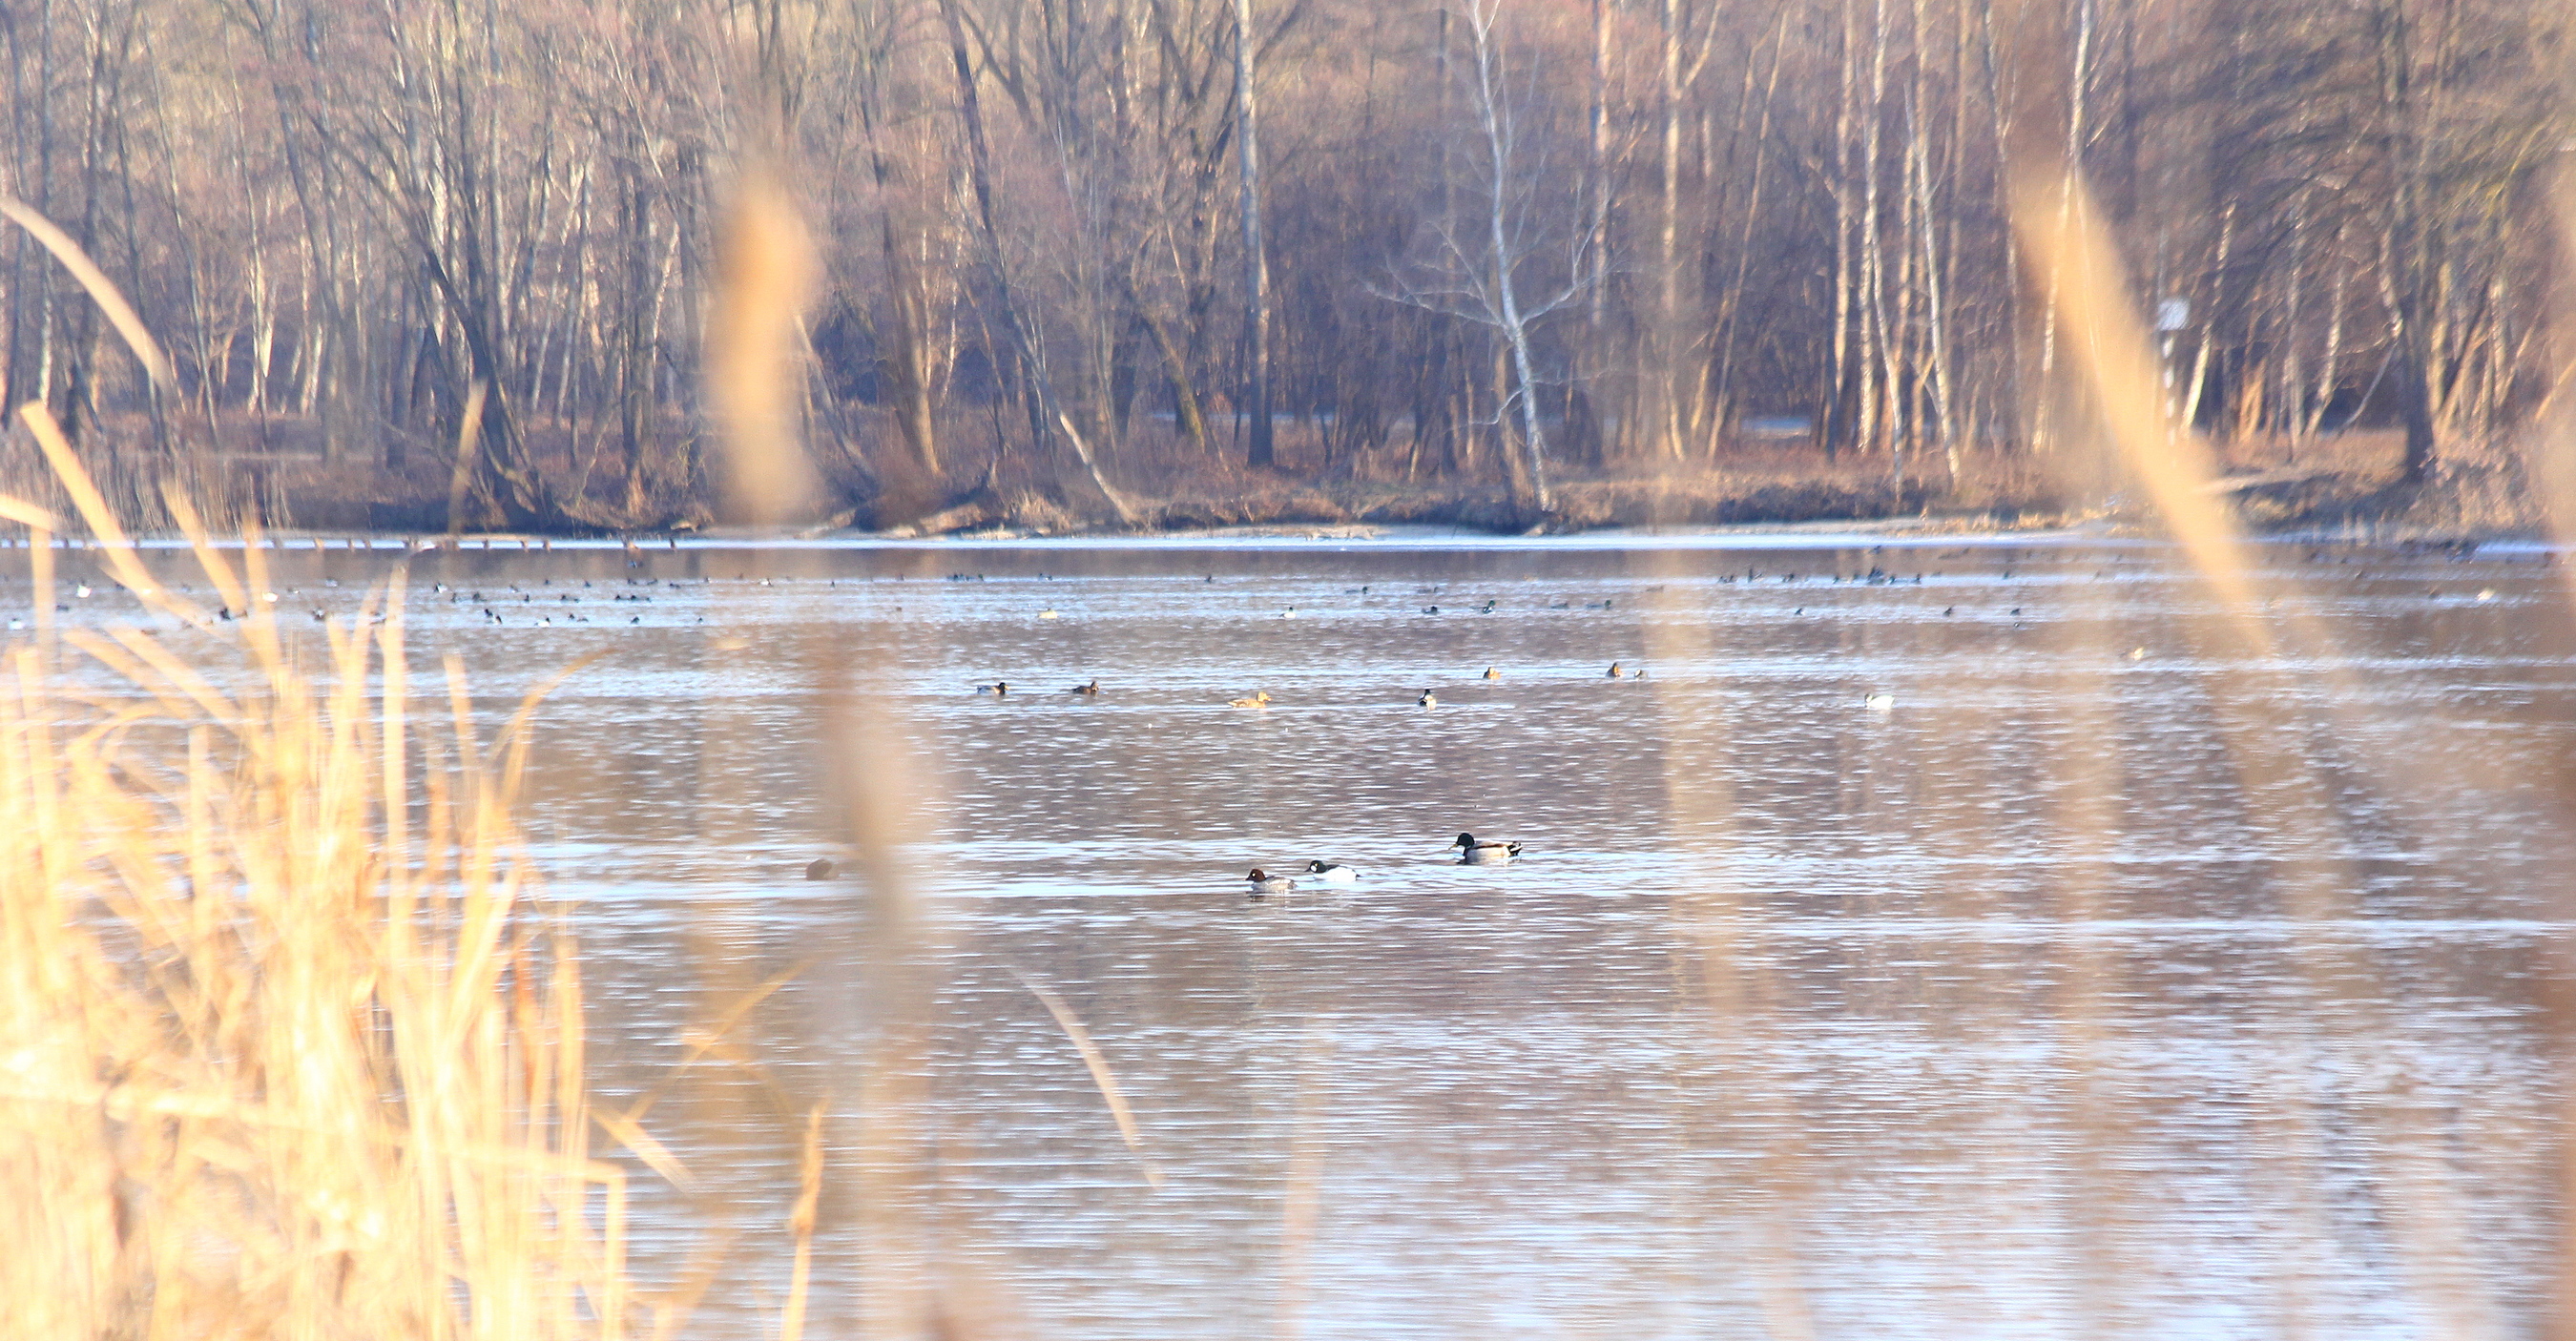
[(2103, 982)]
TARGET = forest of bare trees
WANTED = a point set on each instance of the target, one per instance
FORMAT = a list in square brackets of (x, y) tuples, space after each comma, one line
[(1086, 247)]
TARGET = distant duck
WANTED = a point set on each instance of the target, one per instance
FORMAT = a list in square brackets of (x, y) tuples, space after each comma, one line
[(1260, 699), (1490, 607), (1091, 689), (1428, 700), (1431, 609), (1473, 853), (820, 869), (1331, 872), (1613, 673), (1263, 882), (1492, 674), (998, 689), (1048, 613), (1880, 703)]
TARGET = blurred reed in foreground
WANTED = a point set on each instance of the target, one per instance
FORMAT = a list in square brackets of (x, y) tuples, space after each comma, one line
[(286, 1048)]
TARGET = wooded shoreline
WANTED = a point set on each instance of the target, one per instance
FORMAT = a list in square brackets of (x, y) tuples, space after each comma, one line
[(475, 259), (274, 476)]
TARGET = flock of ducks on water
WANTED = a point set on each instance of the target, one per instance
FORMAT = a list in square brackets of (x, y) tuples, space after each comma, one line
[(1472, 851), (1260, 698)]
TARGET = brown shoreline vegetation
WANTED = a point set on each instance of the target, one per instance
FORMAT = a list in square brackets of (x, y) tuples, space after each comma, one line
[(2351, 483)]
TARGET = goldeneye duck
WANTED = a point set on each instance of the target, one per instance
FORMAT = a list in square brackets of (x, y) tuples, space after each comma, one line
[(1331, 872), (1263, 882)]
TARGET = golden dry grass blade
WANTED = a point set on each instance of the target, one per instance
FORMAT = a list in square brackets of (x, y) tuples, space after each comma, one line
[(469, 437), (147, 351), (27, 514), (755, 351), (800, 1224), (86, 497), (2055, 221), (656, 1156), (1100, 1073)]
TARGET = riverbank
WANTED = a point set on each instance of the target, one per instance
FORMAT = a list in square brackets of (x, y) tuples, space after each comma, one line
[(2346, 484)]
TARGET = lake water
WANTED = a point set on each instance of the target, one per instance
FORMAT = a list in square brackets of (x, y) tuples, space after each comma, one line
[(2103, 982)]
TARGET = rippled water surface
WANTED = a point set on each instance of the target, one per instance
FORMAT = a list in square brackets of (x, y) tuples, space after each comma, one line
[(2104, 982)]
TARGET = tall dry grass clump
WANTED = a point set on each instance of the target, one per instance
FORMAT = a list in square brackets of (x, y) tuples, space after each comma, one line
[(287, 1048)]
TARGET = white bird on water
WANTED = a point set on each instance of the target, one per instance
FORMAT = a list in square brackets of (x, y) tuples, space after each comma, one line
[(1880, 702), (1331, 872)]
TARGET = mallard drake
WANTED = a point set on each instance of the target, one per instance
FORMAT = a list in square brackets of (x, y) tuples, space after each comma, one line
[(998, 689), (1331, 872), (1263, 882), (1091, 688), (1428, 700), (1473, 853), (1260, 699)]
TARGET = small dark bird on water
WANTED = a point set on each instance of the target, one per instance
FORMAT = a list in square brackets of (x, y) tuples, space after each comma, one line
[(1492, 674), (998, 689), (1613, 673), (820, 869), (1091, 688), (1428, 700)]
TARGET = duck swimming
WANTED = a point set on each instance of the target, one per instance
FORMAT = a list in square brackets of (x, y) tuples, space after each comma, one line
[(998, 689), (1428, 700), (1091, 688), (1473, 853), (1263, 882), (1331, 872), (1260, 699), (1492, 674), (1613, 673)]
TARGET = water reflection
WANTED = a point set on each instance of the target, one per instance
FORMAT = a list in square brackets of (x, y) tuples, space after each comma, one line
[(2102, 984)]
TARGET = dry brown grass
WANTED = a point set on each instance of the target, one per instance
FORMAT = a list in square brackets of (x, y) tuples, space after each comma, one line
[(288, 1048)]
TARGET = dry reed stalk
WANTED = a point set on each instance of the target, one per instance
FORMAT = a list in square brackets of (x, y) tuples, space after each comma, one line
[(291, 1049), (1722, 935), (756, 352), (138, 337), (1301, 1193), (1101, 1076), (800, 1223), (2276, 746)]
